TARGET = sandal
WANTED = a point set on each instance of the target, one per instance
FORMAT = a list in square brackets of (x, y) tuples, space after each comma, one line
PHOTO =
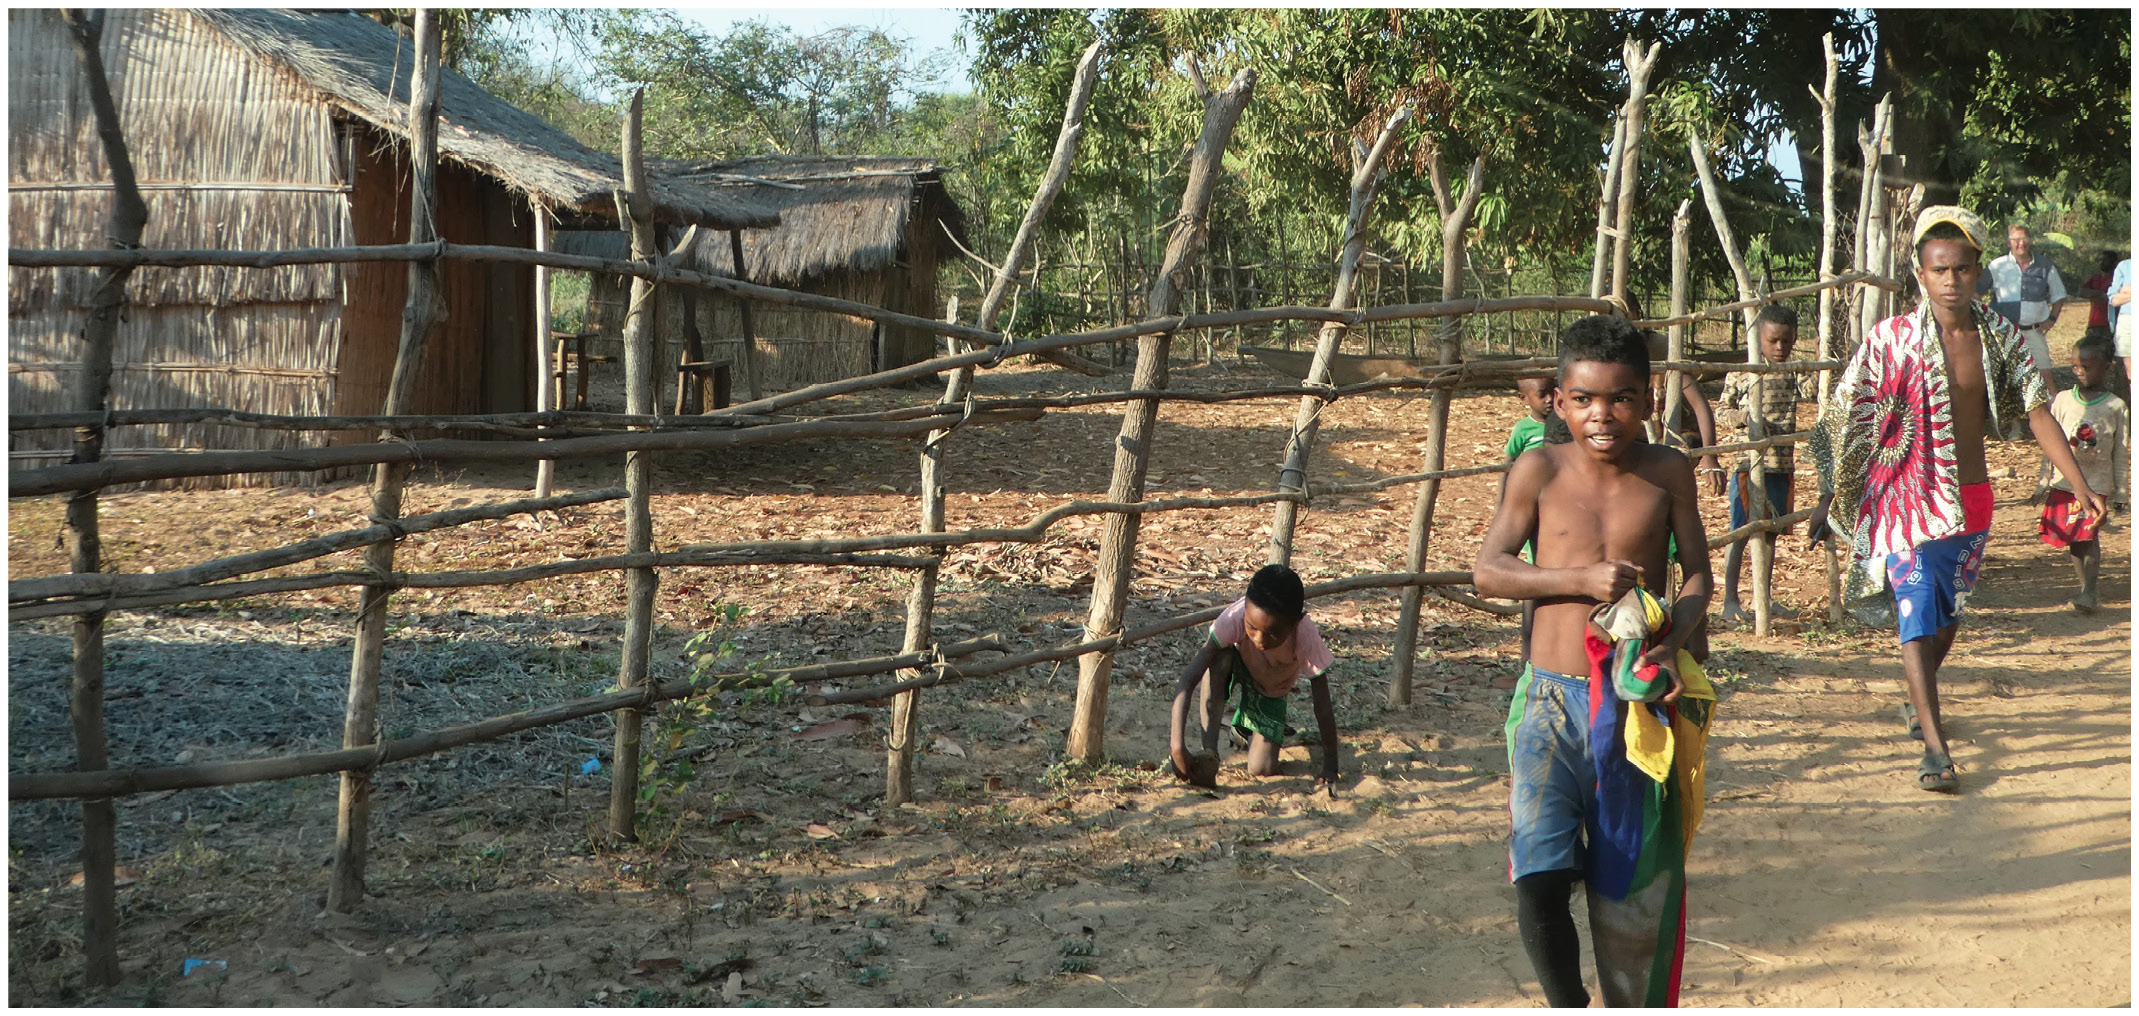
[(1936, 773), (1909, 720)]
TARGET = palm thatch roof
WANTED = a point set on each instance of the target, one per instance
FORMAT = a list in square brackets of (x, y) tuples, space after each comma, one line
[(835, 212), (362, 67)]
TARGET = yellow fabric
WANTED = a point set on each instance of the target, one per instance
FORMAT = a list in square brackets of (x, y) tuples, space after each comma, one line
[(1652, 746)]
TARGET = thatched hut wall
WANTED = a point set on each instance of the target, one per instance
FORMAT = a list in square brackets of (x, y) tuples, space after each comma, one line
[(229, 154), (249, 130)]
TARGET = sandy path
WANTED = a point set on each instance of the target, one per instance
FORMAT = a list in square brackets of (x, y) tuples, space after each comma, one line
[(1825, 876)]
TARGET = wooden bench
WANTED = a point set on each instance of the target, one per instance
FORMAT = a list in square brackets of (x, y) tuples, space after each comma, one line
[(572, 356), (713, 380)]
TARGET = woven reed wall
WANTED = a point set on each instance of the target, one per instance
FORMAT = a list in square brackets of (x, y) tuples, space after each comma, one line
[(796, 347), (231, 154)]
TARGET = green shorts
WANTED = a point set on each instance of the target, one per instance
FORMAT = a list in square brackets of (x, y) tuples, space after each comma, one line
[(1255, 712)]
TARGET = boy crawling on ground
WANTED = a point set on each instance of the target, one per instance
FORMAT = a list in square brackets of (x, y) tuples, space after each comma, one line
[(1596, 795), (1261, 645)]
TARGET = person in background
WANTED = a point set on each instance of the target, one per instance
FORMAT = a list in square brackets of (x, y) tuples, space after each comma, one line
[(2029, 292), (2097, 427)]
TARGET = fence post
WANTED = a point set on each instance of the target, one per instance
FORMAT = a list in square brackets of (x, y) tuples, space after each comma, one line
[(545, 348), (1639, 65), (1292, 475), (1456, 214), (743, 316), (424, 310), (1755, 491), (1132, 451), (129, 215), (1605, 196), (634, 207), (1826, 98), (921, 604)]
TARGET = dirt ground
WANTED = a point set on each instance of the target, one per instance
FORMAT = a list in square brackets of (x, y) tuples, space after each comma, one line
[(770, 874)]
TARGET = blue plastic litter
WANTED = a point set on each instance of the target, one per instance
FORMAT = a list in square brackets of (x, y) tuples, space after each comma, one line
[(192, 965), (590, 767)]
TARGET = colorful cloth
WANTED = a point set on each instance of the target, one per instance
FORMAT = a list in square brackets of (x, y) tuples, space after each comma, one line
[(1276, 671), (1884, 447), (1781, 489), (1777, 398), (1528, 433), (2065, 521), (1613, 789), (2098, 432), (1932, 580)]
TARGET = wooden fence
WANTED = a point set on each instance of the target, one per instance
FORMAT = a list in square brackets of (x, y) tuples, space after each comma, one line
[(88, 594)]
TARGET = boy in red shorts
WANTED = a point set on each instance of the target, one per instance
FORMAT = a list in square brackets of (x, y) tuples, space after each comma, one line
[(1900, 456), (2095, 424)]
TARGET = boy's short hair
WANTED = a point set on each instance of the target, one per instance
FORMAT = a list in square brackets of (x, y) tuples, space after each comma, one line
[(1776, 314), (1603, 338), (2098, 345), (1277, 589)]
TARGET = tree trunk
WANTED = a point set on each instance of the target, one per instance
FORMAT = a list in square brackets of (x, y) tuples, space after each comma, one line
[(1292, 475), (1607, 199), (920, 604), (639, 583), (425, 309), (1110, 589), (1455, 222), (1638, 65), (129, 216)]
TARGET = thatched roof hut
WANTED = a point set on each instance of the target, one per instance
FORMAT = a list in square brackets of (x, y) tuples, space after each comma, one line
[(869, 229), (261, 129)]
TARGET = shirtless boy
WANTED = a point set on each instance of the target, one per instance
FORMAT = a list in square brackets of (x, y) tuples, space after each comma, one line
[(1900, 456), (1600, 510)]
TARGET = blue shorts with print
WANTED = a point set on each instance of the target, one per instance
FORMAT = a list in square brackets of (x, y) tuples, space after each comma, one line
[(1550, 799), (1932, 581)]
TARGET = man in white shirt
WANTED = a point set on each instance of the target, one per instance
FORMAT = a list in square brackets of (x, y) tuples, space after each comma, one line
[(2030, 293)]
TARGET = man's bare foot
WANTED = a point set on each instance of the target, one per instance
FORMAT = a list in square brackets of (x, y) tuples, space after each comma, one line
[(2085, 603), (1733, 612), (1777, 610)]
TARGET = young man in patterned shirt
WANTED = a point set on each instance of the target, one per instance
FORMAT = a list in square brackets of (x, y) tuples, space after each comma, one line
[(1900, 456)]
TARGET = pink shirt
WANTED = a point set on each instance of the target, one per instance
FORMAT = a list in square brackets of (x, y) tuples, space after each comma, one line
[(1276, 671)]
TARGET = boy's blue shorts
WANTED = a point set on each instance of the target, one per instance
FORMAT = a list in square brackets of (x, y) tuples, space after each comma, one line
[(1778, 487), (1550, 797), (1932, 581)]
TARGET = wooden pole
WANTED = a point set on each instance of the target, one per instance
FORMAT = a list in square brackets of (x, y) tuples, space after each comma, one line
[(92, 393), (920, 604), (1827, 97), (752, 382), (1675, 335), (1759, 551), (1117, 552), (1638, 66), (545, 348), (1606, 199), (639, 583), (1292, 474), (425, 309), (1456, 214)]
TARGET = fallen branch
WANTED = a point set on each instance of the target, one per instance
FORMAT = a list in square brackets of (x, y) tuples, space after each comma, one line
[(22, 590)]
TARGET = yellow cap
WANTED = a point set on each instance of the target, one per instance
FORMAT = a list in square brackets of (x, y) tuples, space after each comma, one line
[(1970, 224)]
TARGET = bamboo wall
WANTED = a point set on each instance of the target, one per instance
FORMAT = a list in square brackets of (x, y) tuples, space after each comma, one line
[(233, 155), (230, 155)]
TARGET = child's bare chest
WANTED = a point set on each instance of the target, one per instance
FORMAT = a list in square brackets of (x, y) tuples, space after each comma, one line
[(1588, 520)]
